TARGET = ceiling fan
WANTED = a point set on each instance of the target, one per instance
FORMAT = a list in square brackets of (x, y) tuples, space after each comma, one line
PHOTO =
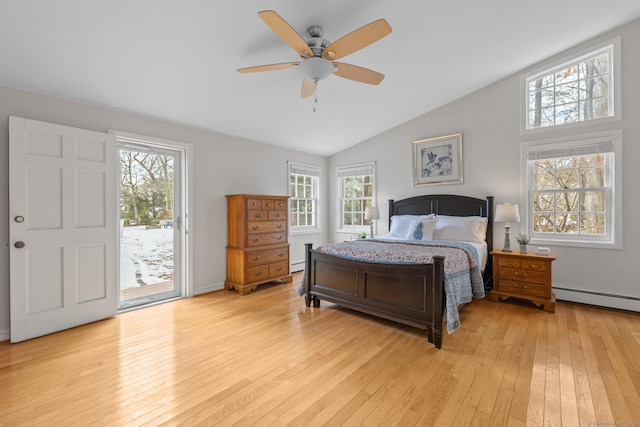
[(318, 55)]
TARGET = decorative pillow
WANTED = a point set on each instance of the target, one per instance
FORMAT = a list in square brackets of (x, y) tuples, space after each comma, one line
[(421, 229), (400, 225), (461, 228)]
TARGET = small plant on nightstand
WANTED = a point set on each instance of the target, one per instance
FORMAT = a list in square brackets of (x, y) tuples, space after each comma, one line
[(523, 240)]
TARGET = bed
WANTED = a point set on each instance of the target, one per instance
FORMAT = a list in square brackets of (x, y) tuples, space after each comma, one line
[(405, 292)]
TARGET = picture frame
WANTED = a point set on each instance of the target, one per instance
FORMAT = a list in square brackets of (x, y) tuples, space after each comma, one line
[(438, 160)]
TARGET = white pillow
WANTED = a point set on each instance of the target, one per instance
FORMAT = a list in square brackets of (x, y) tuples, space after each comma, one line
[(400, 225), (421, 229), (461, 228)]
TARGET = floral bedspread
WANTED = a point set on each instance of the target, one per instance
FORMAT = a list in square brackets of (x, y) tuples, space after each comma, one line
[(462, 276)]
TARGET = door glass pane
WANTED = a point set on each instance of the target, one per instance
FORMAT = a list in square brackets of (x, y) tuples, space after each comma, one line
[(147, 228)]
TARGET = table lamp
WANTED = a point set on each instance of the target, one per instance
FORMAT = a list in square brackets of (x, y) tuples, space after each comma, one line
[(507, 213), (371, 213)]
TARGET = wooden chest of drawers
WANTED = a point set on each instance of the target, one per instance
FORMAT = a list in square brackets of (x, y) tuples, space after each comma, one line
[(524, 276), (257, 241)]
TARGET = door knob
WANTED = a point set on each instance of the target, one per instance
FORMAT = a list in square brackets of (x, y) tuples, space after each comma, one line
[(19, 245), (19, 219)]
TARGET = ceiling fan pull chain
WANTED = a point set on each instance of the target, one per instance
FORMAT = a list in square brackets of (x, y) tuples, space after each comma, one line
[(315, 97)]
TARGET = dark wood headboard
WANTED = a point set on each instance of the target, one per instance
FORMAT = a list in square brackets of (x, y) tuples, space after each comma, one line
[(453, 205)]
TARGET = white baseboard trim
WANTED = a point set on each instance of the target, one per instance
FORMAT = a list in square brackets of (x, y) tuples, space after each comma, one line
[(598, 298), (5, 335), (208, 288), (297, 266)]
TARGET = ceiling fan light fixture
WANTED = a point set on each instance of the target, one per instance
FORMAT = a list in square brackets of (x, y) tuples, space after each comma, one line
[(315, 69)]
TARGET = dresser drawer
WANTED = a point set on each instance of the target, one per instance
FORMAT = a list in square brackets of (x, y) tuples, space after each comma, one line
[(266, 239), (257, 215), (268, 257), (266, 226), (277, 215), (278, 269), (253, 204), (256, 274), (532, 289), (524, 275)]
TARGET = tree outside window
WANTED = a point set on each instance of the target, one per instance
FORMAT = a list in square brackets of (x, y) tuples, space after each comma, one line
[(357, 189), (576, 91), (303, 192)]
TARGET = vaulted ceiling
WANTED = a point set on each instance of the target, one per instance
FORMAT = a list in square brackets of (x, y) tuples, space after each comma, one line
[(177, 60)]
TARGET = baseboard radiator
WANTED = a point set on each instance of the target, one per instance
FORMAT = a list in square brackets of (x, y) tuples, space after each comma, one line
[(601, 299)]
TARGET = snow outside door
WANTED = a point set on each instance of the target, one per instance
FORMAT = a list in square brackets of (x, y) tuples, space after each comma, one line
[(63, 227)]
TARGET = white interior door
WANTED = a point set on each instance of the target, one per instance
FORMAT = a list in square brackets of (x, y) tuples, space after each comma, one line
[(63, 227)]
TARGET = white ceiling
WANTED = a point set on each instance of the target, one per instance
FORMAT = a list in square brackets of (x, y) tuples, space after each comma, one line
[(176, 60)]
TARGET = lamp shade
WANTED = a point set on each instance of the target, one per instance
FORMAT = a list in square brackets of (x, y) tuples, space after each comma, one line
[(507, 212), (372, 212)]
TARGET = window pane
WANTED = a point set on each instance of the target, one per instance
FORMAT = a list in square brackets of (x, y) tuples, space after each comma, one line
[(593, 224), (569, 74), (593, 201), (543, 202), (544, 180), (543, 223), (567, 223), (594, 87), (567, 93), (541, 118), (566, 114), (567, 202), (592, 177), (594, 66), (567, 178), (594, 109)]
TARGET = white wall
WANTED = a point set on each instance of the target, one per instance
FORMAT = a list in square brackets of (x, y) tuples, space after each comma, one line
[(489, 122), (223, 165)]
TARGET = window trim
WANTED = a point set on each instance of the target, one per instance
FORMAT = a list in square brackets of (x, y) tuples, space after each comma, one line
[(615, 81), (614, 240), (310, 170), (352, 170)]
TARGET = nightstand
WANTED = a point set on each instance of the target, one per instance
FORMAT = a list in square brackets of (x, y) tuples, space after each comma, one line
[(524, 276)]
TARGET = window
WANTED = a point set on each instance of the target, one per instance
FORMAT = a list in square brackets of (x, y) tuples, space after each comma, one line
[(303, 190), (357, 188), (572, 196), (574, 91)]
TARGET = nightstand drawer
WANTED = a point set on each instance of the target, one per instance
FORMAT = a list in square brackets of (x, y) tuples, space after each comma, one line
[(524, 275), (525, 288)]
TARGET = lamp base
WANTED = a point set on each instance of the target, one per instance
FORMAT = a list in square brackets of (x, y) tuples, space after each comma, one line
[(507, 240)]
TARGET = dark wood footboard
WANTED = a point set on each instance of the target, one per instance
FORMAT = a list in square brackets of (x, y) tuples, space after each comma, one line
[(408, 294)]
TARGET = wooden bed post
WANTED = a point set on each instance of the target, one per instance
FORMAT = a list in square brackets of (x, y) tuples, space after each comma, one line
[(307, 273), (435, 332)]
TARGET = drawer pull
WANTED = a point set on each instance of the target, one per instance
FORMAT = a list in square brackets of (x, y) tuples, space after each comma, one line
[(281, 254), (277, 215), (279, 238), (258, 215), (255, 258), (521, 287), (255, 227), (518, 274), (255, 240), (258, 273), (278, 268), (268, 204), (279, 226)]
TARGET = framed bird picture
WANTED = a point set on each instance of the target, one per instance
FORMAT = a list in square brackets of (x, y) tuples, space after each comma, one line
[(438, 160)]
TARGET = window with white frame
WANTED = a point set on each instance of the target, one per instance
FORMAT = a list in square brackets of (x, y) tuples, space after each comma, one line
[(572, 197), (303, 192), (356, 184), (577, 90)]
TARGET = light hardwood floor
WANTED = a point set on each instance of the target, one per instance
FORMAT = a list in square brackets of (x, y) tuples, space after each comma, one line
[(266, 359)]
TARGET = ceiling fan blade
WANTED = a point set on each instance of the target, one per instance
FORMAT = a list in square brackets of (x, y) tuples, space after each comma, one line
[(308, 88), (358, 74), (286, 33), (268, 67), (356, 40)]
